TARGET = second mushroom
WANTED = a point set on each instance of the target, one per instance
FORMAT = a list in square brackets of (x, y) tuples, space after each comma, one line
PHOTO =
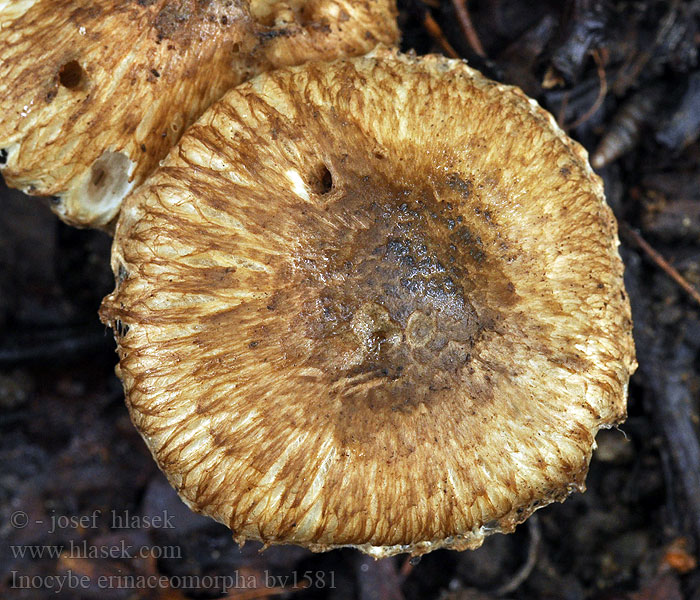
[(94, 94)]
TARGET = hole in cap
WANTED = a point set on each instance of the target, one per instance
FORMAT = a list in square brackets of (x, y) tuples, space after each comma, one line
[(326, 180), (322, 181), (71, 75)]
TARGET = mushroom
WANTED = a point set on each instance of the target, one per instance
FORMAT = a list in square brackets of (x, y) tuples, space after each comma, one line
[(94, 94), (374, 303), (298, 31)]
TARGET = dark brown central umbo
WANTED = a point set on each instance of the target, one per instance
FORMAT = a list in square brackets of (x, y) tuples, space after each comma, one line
[(394, 280)]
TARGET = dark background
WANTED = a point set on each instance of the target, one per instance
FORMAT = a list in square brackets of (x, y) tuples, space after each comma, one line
[(623, 75)]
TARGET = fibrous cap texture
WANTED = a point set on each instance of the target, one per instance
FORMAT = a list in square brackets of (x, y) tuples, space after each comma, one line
[(94, 94), (373, 303)]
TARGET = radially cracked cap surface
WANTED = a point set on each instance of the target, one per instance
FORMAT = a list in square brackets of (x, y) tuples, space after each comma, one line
[(373, 303)]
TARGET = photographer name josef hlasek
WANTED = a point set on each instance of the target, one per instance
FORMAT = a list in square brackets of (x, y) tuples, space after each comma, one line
[(117, 520)]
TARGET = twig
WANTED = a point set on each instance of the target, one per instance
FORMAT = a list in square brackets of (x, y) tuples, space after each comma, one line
[(660, 261), (628, 74), (625, 129), (525, 570), (602, 91), (432, 27), (465, 22)]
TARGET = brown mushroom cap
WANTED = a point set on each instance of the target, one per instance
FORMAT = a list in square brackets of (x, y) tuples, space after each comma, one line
[(373, 303), (94, 94)]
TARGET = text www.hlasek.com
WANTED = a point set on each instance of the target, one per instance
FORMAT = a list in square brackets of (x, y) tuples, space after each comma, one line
[(77, 550)]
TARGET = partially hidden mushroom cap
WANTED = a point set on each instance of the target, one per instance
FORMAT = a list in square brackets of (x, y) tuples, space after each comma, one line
[(373, 303), (94, 94), (297, 31)]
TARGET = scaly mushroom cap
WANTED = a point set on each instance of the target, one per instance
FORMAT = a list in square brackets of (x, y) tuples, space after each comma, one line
[(94, 94), (373, 303)]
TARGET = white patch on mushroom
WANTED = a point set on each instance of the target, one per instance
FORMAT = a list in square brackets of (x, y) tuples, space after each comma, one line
[(107, 185), (298, 185)]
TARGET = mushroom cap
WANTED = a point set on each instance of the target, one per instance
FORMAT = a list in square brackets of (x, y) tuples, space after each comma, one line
[(94, 94), (373, 303)]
